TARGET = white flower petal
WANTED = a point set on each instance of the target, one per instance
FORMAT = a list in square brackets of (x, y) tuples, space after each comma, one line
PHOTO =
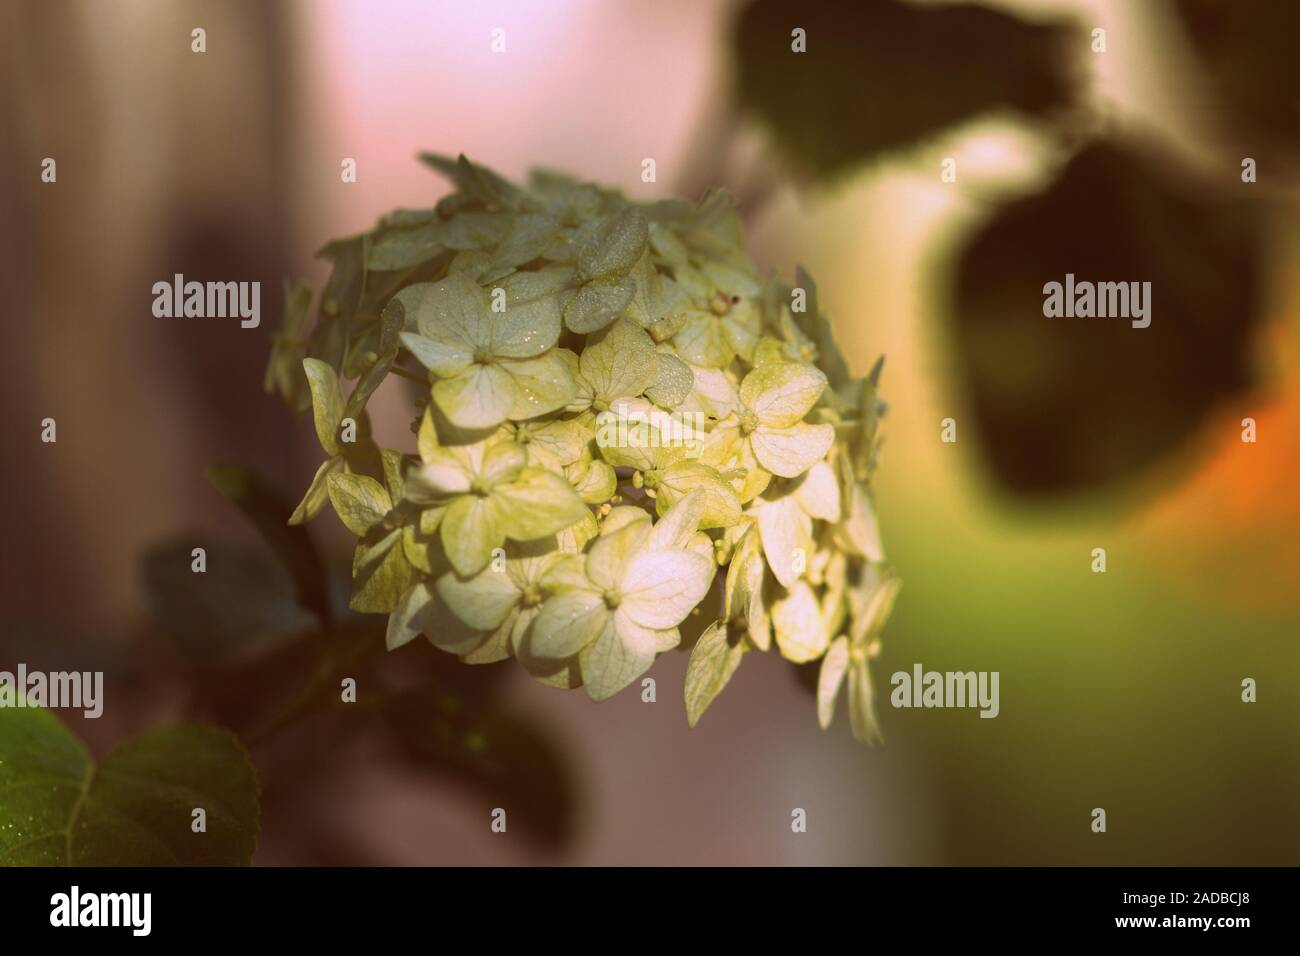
[(782, 393), (786, 532), (659, 588), (791, 451), (681, 521), (797, 621), (444, 472), (610, 553), (818, 492)]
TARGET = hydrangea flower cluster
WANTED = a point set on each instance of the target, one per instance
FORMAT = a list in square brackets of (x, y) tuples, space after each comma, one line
[(622, 431)]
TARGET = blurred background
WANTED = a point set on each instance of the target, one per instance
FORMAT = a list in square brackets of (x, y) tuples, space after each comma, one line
[(1119, 690)]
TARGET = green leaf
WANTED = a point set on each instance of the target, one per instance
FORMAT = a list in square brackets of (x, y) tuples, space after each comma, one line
[(134, 809), (714, 659), (504, 758), (473, 231), (527, 239), (241, 605), (867, 82), (269, 513), (829, 357)]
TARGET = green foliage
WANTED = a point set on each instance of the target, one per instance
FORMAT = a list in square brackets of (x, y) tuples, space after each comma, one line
[(268, 512), (133, 809), (618, 403), (241, 605), (501, 755)]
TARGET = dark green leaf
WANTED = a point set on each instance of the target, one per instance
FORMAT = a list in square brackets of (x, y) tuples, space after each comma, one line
[(269, 513), (135, 809), (503, 756), (241, 604)]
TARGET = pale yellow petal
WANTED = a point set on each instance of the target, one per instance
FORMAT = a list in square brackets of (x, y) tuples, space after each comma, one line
[(795, 618), (659, 588), (791, 451), (782, 393)]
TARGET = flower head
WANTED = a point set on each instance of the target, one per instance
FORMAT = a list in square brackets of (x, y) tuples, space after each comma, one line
[(623, 431)]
